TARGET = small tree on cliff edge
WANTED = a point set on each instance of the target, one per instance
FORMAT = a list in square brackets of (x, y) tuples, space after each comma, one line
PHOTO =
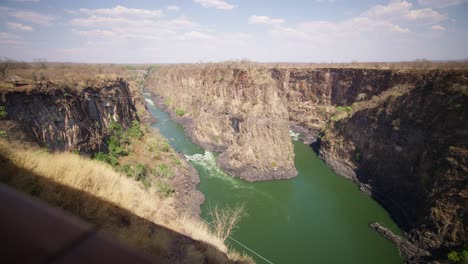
[(225, 220), (6, 65)]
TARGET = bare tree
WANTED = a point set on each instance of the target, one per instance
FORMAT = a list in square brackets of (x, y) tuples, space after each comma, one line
[(224, 220), (6, 64)]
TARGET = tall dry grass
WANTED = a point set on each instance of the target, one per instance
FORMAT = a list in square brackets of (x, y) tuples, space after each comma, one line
[(102, 182)]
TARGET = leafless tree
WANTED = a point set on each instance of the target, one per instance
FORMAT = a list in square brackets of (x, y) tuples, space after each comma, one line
[(6, 64)]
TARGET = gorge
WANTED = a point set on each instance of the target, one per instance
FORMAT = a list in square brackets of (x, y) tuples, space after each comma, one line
[(399, 134)]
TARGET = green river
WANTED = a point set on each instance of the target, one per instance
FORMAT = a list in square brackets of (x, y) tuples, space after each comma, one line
[(317, 217)]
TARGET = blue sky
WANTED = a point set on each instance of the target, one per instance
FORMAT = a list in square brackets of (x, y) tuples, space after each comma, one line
[(151, 31)]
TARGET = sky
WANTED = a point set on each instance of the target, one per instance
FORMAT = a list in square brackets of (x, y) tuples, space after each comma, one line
[(163, 31)]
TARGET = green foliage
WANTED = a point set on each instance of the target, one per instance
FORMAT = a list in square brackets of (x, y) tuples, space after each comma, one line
[(127, 169), (459, 256), (76, 152), (165, 147), (179, 111), (162, 170), (107, 158), (346, 109), (164, 188), (358, 156), (3, 112), (3, 134), (168, 101), (140, 172), (135, 130)]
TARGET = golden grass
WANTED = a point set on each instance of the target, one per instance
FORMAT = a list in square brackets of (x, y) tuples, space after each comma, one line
[(102, 182)]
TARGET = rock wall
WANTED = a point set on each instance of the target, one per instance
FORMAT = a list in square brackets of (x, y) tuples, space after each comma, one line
[(235, 111), (68, 119), (407, 147)]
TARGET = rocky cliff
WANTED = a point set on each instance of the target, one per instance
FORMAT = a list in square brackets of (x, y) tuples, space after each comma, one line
[(400, 134), (236, 111), (63, 118)]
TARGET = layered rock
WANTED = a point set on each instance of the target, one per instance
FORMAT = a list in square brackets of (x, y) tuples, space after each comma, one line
[(67, 118), (235, 111)]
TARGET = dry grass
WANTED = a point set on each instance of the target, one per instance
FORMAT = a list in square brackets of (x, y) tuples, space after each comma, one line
[(102, 182)]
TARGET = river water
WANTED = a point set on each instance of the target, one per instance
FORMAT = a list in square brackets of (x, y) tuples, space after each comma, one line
[(317, 217)]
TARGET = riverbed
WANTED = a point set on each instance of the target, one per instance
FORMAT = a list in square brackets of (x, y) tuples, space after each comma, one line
[(316, 217)]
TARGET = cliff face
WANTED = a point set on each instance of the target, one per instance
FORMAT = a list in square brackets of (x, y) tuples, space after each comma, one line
[(67, 119), (407, 147), (400, 134), (237, 112)]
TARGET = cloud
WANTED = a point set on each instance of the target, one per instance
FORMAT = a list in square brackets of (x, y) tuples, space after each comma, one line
[(218, 4), (35, 1), (196, 35), (32, 16), (128, 23), (441, 3), (121, 11), (402, 10), (438, 28), (265, 20), (173, 8), (426, 14), (18, 26), (7, 38)]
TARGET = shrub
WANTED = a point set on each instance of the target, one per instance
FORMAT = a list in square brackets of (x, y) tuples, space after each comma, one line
[(3, 134), (358, 156), (179, 111), (140, 172), (3, 112), (164, 188), (165, 147), (167, 101), (135, 130), (162, 170)]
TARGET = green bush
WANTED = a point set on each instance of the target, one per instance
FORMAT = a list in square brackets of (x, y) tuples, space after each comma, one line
[(459, 256), (108, 158), (165, 147), (3, 112), (168, 101), (164, 188), (179, 111), (162, 170), (358, 156), (135, 130), (3, 134), (140, 172)]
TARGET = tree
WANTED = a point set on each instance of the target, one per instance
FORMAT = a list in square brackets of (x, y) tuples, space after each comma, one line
[(224, 220), (6, 64)]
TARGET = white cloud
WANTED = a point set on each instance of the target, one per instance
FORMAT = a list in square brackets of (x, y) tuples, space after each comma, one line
[(173, 8), (18, 26), (265, 20), (402, 10), (32, 16), (441, 3), (218, 4), (196, 35), (7, 38), (35, 1), (438, 28), (121, 11), (426, 14)]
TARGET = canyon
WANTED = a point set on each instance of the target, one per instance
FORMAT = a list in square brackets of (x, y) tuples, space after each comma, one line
[(399, 134)]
